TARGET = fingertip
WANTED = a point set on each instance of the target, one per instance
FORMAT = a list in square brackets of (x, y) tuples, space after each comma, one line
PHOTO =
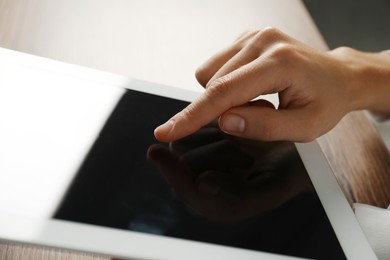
[(154, 152), (162, 132)]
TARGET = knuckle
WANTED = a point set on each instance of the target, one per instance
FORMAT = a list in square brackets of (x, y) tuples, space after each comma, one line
[(268, 34), (285, 57), (219, 93), (270, 30), (283, 51), (189, 112), (342, 50), (269, 39), (219, 87), (345, 54)]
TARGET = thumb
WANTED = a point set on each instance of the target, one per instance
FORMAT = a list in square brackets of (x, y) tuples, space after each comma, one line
[(265, 123)]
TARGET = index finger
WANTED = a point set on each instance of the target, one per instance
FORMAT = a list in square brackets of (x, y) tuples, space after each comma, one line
[(232, 90)]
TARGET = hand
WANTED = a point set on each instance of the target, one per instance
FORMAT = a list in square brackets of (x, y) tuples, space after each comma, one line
[(228, 180), (316, 89)]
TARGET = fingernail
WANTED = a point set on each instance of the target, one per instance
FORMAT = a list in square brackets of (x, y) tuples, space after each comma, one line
[(232, 123)]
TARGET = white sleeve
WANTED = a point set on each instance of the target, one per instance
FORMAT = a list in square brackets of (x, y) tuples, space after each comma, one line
[(375, 223)]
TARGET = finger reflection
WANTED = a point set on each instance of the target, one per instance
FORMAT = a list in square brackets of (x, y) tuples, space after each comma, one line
[(228, 179)]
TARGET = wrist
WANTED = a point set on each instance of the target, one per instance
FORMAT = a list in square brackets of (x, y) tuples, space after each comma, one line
[(368, 79)]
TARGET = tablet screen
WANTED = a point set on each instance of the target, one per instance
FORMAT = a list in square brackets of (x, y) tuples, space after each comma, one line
[(208, 187), (82, 151)]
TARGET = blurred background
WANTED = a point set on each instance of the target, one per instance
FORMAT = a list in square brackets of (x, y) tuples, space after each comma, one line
[(361, 24)]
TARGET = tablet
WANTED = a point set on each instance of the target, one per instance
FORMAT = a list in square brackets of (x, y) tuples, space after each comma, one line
[(80, 169)]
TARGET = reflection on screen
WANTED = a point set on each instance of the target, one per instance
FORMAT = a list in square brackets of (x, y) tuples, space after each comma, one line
[(207, 187), (48, 122)]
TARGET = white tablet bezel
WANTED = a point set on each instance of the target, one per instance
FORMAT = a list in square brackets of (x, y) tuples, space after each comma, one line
[(83, 237)]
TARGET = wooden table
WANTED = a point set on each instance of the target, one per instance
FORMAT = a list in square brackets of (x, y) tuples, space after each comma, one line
[(164, 42)]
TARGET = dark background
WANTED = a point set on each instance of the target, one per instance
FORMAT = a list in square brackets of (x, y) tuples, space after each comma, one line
[(361, 24)]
